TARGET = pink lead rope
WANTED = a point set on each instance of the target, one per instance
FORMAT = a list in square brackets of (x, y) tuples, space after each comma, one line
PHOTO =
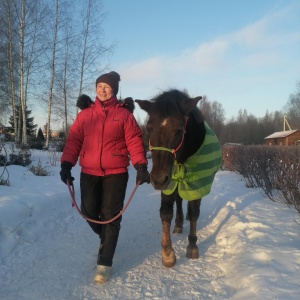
[(72, 193)]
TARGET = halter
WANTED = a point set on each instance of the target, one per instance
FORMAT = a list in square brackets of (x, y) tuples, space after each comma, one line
[(173, 151)]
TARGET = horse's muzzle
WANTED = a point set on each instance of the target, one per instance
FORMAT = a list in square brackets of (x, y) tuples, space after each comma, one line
[(160, 182)]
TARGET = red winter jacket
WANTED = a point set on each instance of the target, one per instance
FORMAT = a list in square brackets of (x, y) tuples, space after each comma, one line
[(103, 136)]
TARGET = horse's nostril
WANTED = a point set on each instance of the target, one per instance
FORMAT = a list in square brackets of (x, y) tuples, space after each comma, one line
[(159, 182)]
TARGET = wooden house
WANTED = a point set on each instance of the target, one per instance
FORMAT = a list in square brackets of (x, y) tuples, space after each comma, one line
[(284, 138)]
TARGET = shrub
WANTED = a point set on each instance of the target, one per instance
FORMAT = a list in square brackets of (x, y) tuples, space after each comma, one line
[(21, 157), (39, 170), (275, 169)]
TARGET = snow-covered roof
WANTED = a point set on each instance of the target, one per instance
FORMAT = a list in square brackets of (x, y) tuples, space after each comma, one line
[(281, 134)]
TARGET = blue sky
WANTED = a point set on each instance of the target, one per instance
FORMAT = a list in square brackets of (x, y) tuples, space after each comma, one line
[(243, 54)]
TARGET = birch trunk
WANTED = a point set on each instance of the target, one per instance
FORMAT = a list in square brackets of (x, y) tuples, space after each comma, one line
[(11, 69), (65, 85), (22, 98), (86, 34), (52, 75)]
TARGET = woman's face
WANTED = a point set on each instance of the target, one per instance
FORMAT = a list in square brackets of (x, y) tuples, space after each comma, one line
[(104, 91)]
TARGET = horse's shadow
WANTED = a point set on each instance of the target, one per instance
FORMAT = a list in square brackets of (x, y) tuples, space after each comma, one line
[(230, 202), (140, 236)]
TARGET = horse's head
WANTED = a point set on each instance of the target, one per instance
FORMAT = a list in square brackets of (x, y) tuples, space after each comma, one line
[(166, 126)]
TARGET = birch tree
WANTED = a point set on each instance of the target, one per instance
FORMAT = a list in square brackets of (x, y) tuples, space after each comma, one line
[(83, 58), (60, 67), (92, 17), (10, 62), (21, 90), (84, 54), (65, 84), (55, 30), (22, 23), (65, 68)]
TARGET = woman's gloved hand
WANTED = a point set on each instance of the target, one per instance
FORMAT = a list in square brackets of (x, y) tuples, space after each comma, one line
[(142, 173), (65, 173)]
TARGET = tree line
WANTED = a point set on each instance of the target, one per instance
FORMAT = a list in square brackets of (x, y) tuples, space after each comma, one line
[(246, 128), (50, 51)]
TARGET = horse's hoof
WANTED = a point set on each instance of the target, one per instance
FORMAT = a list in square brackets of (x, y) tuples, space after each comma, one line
[(177, 230), (168, 261), (169, 264), (192, 252)]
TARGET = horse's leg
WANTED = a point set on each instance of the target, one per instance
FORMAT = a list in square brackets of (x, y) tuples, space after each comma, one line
[(166, 215), (193, 214), (187, 214), (179, 216)]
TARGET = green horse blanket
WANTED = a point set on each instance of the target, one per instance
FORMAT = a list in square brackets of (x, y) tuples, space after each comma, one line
[(195, 177)]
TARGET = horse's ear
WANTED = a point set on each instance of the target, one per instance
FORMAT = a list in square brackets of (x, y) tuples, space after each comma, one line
[(189, 105), (144, 104)]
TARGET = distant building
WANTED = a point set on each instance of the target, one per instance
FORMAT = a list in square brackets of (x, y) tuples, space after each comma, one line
[(284, 138), (53, 133), (6, 132)]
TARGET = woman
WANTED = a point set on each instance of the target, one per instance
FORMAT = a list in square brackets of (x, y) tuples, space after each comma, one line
[(104, 135)]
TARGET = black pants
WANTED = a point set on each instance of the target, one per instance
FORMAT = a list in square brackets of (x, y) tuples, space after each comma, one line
[(102, 198)]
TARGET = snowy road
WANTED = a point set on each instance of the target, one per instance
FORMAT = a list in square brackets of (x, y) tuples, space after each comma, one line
[(249, 246)]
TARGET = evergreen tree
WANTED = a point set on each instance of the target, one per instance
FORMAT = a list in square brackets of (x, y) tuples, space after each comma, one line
[(30, 126), (40, 135)]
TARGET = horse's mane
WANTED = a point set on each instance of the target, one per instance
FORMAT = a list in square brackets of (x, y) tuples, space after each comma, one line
[(168, 103)]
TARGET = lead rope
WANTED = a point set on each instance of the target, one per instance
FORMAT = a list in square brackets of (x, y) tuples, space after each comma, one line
[(72, 193)]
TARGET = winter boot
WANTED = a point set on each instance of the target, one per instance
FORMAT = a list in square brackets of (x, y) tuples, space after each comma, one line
[(102, 274)]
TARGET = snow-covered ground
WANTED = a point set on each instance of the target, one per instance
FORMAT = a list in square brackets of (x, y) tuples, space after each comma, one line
[(249, 246)]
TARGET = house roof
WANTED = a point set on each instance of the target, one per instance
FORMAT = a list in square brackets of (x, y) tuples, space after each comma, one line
[(281, 134)]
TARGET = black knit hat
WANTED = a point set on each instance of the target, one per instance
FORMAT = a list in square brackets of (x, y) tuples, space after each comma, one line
[(112, 79)]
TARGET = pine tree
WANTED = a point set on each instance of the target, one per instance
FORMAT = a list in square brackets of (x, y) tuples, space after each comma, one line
[(30, 126), (40, 135)]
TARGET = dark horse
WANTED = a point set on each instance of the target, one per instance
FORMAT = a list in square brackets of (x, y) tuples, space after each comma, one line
[(185, 156)]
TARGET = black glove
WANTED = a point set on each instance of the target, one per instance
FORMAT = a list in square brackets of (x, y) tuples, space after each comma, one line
[(65, 173), (142, 174)]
